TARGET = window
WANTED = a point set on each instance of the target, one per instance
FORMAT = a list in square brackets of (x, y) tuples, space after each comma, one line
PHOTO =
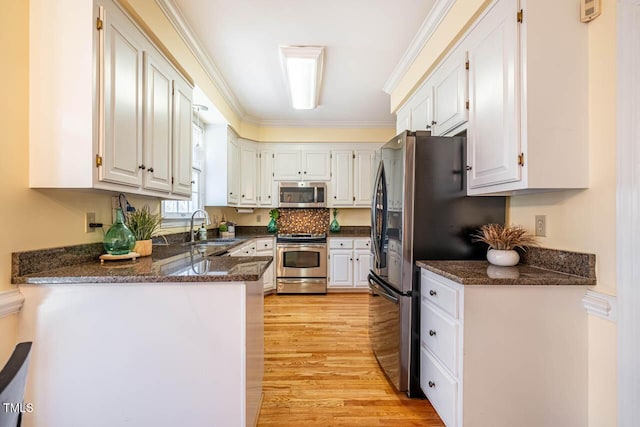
[(176, 213)]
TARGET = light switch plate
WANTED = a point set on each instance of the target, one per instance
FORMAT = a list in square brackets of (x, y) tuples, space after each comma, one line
[(541, 225), (89, 217)]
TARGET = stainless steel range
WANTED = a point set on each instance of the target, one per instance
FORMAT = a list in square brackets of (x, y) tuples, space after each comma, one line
[(301, 263)]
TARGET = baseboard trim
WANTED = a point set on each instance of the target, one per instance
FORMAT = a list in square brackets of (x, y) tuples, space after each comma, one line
[(10, 302), (601, 305)]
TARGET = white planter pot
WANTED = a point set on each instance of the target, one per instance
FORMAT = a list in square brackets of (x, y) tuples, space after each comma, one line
[(503, 258)]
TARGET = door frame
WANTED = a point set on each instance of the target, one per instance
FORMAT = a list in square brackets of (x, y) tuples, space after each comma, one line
[(628, 210)]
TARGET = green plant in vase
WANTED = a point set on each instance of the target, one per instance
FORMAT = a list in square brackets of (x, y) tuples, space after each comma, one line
[(334, 227), (144, 225), (272, 227)]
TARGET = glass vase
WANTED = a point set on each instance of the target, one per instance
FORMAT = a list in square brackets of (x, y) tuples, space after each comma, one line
[(334, 227), (119, 240), (272, 227)]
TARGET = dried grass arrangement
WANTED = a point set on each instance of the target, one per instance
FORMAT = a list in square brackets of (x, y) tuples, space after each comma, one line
[(505, 237), (143, 224)]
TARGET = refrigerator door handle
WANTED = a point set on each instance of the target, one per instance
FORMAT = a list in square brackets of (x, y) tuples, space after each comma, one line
[(374, 219), (379, 289)]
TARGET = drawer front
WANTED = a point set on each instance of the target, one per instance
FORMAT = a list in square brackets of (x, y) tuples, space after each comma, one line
[(341, 243), (439, 294), (362, 243), (439, 333), (439, 387), (264, 244)]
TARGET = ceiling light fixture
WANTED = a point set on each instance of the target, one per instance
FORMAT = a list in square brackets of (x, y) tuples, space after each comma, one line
[(302, 68)]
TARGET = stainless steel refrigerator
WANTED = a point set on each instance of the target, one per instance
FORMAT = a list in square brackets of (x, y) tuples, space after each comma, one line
[(420, 211)]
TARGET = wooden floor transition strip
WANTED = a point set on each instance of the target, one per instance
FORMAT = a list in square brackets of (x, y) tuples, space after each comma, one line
[(320, 371)]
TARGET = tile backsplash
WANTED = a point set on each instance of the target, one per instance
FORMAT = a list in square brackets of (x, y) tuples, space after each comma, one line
[(303, 221)]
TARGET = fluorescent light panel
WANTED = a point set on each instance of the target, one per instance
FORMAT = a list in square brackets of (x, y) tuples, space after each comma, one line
[(302, 68)]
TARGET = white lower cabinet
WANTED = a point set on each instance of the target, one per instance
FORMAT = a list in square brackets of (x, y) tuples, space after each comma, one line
[(349, 262), (501, 355), (263, 246)]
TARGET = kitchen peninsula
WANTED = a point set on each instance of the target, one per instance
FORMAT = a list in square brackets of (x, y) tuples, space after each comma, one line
[(173, 339)]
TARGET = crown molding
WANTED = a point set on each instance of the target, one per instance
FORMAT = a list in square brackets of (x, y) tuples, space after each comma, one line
[(10, 302), (600, 305), (428, 27), (326, 124), (193, 42)]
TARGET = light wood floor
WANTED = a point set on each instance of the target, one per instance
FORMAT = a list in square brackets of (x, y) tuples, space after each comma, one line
[(320, 371)]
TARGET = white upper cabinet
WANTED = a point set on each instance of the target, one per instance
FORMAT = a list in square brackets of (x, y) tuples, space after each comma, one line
[(302, 165), (403, 119), (526, 87), (492, 140), (158, 101), (121, 150), (316, 165), (182, 138), (266, 193), (233, 170), (117, 90), (450, 94), (422, 109), (363, 177), (249, 173), (342, 178)]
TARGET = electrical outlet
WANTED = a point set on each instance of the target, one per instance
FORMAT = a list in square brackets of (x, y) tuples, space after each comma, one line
[(541, 225), (258, 218), (89, 217)]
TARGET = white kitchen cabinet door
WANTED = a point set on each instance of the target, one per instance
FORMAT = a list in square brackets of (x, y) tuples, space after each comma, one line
[(450, 94), (266, 194), (182, 134), (422, 108), (340, 269), (342, 178), (286, 165), (403, 119), (493, 143), (249, 174), (316, 166), (122, 146), (233, 171), (363, 177), (361, 268), (158, 103)]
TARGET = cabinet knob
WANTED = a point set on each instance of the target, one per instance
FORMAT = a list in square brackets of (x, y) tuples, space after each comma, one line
[(265, 245), (269, 196), (150, 170), (468, 168), (432, 332), (299, 172), (350, 259), (433, 293), (231, 193), (335, 197), (305, 172), (143, 167), (358, 259), (433, 122), (432, 384), (193, 182), (428, 127), (341, 244), (243, 196)]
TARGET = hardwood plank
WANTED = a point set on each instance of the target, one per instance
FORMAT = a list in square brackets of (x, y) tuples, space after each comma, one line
[(320, 370)]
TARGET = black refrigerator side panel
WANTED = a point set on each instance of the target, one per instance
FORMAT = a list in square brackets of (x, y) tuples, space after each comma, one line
[(444, 216)]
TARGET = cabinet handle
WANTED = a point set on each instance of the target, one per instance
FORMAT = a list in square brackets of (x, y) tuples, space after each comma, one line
[(269, 196), (243, 196), (335, 197), (150, 170), (305, 172), (432, 384), (231, 193), (357, 259), (432, 332), (341, 244), (433, 122), (193, 182), (433, 293), (143, 167), (265, 245), (367, 244), (468, 168), (428, 127), (299, 172), (350, 259)]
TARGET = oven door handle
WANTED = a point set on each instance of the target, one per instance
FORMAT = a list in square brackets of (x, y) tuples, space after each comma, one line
[(301, 246), (381, 289)]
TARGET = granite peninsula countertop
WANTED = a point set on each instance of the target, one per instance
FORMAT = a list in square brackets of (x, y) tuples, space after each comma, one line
[(483, 273), (177, 262)]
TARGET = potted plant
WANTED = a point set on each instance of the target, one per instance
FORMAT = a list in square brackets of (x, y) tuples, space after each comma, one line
[(502, 241), (272, 227), (143, 224)]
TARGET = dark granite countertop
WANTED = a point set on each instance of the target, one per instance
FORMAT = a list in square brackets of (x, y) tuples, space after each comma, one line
[(351, 232), (177, 262), (483, 273)]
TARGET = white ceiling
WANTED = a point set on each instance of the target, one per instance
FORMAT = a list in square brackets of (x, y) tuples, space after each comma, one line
[(364, 39)]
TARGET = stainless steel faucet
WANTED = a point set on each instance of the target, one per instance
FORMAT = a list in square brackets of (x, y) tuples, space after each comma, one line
[(206, 216)]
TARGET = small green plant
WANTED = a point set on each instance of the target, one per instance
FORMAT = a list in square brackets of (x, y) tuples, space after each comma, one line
[(143, 224), (274, 214)]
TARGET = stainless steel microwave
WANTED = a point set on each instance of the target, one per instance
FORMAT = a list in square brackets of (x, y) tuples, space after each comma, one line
[(302, 195)]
